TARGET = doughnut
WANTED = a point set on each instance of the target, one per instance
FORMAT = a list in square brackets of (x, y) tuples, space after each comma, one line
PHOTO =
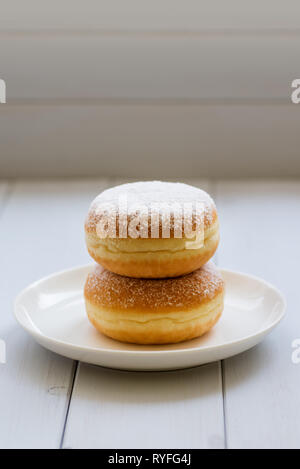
[(154, 311), (148, 236)]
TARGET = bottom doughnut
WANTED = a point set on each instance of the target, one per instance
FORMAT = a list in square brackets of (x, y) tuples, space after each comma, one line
[(150, 311)]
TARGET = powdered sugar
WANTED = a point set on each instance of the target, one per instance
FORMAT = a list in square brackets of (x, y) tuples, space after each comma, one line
[(123, 293), (155, 201)]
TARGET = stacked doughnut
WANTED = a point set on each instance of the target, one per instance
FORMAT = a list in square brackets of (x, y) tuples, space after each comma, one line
[(153, 282)]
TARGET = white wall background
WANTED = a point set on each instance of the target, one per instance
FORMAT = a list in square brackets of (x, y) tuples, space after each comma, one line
[(160, 88)]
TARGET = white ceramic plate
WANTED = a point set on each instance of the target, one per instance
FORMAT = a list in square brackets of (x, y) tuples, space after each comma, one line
[(52, 311)]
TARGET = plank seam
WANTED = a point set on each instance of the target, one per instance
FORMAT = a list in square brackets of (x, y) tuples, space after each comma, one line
[(142, 101), (224, 402), (151, 33), (221, 362), (70, 393)]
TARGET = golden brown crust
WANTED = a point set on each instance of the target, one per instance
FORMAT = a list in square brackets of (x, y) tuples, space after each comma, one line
[(155, 335), (154, 268), (153, 258), (148, 311), (110, 291)]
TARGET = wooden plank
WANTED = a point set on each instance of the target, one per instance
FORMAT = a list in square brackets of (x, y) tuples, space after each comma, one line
[(150, 141), (41, 232), (208, 67), (114, 409), (260, 230), (145, 15)]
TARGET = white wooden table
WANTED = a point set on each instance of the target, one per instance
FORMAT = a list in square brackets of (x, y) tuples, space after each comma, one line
[(249, 401)]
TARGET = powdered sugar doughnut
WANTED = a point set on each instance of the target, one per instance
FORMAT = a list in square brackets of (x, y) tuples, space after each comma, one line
[(154, 311), (152, 229)]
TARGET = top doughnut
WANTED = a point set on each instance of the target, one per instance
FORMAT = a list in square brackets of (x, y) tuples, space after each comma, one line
[(152, 229)]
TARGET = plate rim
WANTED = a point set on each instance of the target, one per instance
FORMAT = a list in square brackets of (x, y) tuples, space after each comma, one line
[(101, 350)]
